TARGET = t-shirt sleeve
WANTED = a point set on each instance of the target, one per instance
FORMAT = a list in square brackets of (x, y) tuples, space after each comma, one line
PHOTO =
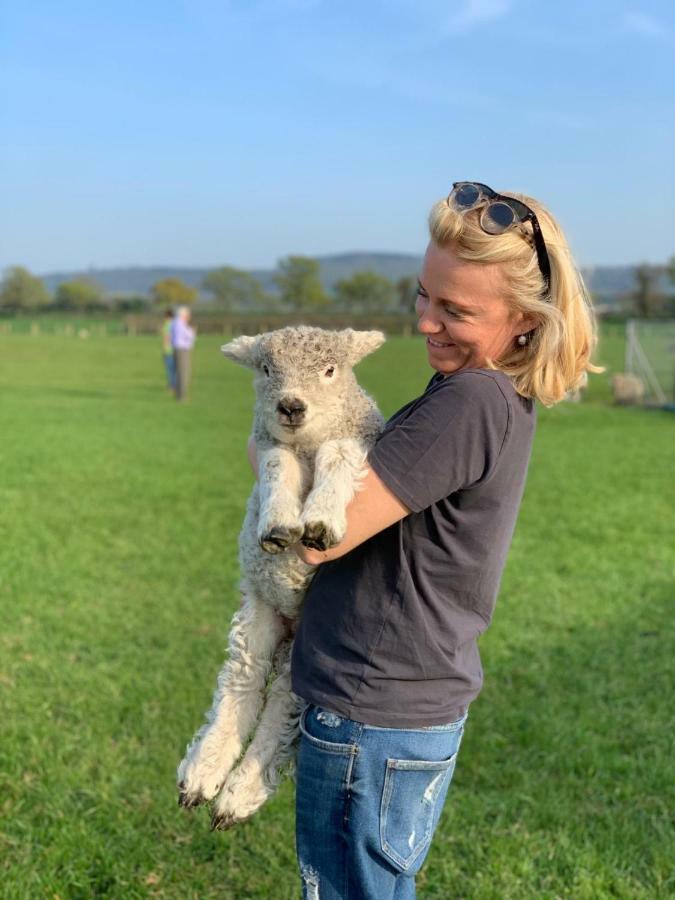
[(451, 439)]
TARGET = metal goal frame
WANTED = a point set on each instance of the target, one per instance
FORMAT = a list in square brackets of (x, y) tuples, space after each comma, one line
[(650, 356)]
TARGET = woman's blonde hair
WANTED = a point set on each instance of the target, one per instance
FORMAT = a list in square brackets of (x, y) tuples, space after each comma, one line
[(557, 355)]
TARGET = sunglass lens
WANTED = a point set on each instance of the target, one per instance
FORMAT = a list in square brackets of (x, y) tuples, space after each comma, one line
[(497, 217), (465, 196)]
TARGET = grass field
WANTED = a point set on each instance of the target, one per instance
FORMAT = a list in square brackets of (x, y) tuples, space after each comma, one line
[(119, 512)]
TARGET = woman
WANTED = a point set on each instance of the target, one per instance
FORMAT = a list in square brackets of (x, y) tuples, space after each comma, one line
[(385, 653)]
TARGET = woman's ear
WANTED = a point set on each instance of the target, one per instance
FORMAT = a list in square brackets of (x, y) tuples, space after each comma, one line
[(525, 323)]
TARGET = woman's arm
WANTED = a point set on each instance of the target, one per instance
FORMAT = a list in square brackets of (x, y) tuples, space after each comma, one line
[(372, 509)]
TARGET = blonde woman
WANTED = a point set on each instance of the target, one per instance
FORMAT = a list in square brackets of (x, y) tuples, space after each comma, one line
[(385, 654)]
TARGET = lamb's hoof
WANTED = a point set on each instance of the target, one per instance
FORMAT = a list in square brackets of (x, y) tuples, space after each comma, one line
[(222, 822), (188, 801), (318, 536), (278, 538)]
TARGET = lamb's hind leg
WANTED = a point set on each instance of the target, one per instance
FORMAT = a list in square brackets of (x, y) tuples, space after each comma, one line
[(254, 637), (257, 776)]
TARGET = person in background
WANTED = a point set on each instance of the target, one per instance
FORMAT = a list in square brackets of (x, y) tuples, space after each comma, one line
[(167, 351), (182, 340)]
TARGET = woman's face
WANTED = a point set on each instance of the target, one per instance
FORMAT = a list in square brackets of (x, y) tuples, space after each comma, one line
[(462, 311)]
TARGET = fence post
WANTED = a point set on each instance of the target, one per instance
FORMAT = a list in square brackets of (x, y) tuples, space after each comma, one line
[(630, 339)]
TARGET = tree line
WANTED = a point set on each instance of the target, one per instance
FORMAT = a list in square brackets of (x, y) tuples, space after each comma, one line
[(229, 289), (299, 289)]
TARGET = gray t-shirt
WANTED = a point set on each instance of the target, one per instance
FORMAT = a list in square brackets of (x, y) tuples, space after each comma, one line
[(387, 634)]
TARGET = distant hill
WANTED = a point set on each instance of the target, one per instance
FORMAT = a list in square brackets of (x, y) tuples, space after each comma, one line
[(139, 279), (607, 282)]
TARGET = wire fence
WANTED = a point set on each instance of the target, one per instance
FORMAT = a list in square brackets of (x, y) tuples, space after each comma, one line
[(63, 326), (217, 324), (650, 357)]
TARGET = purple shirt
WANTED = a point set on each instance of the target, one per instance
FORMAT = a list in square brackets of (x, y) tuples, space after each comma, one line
[(182, 335)]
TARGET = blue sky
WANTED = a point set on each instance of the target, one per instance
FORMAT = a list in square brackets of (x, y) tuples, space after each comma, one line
[(205, 133)]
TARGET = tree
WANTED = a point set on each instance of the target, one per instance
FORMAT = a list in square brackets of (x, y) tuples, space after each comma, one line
[(234, 289), (670, 270), (366, 292), (173, 292), (20, 290), (129, 303), (79, 295), (300, 285), (648, 299), (406, 288)]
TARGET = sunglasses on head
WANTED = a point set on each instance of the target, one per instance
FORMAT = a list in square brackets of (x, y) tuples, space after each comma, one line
[(499, 214)]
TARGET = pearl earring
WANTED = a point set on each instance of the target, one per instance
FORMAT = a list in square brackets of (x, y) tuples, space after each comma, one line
[(522, 340)]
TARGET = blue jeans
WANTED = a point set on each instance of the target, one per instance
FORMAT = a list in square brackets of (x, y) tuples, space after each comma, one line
[(367, 802), (170, 368)]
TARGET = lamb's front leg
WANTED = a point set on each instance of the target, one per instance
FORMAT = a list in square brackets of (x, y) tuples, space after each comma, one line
[(338, 470), (281, 483), (254, 637), (257, 776)]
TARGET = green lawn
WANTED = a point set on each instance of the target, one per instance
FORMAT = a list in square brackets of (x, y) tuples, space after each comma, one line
[(119, 512)]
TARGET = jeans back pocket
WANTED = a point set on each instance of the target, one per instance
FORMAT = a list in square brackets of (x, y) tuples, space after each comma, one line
[(412, 799)]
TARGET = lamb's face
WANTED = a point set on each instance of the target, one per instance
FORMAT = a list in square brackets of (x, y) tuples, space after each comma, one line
[(304, 379)]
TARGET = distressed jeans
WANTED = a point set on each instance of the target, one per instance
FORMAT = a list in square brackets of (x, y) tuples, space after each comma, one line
[(367, 802)]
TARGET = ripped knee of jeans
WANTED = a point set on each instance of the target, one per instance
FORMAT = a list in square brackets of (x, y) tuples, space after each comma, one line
[(310, 882)]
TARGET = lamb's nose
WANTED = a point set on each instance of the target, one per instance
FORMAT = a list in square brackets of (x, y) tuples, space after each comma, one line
[(293, 408)]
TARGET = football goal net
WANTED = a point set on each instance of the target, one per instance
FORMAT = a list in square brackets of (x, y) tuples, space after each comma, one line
[(650, 356)]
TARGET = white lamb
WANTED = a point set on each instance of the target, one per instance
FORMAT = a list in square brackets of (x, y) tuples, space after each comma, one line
[(313, 427)]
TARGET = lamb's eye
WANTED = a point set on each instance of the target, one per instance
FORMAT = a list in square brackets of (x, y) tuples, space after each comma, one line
[(330, 371), (266, 370)]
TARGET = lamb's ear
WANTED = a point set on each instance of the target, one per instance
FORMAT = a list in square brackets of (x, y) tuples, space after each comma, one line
[(242, 350), (361, 343)]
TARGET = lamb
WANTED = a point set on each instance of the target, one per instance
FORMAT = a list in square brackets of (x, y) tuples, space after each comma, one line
[(313, 427), (627, 389)]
